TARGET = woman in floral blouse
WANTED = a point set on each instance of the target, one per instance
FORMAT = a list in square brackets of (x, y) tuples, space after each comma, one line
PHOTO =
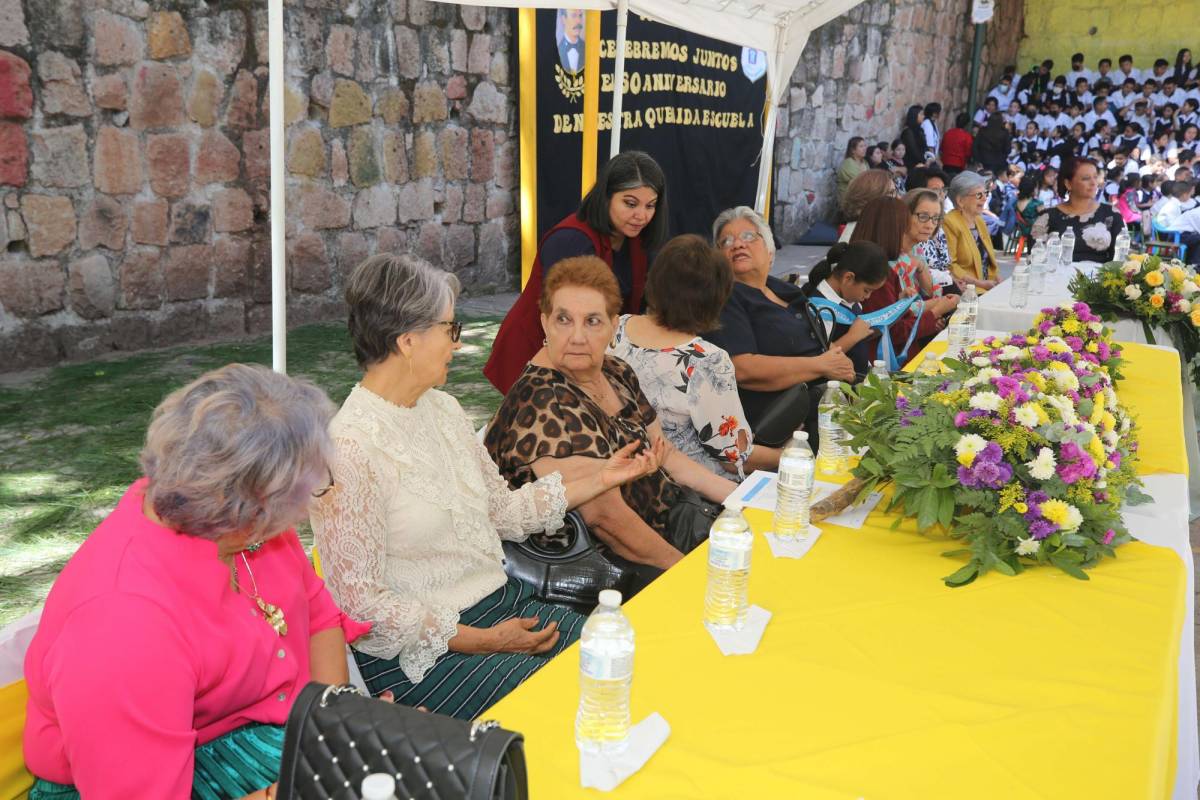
[(690, 381)]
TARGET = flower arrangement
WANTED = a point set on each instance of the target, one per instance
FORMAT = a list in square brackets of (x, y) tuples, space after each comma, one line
[(1019, 447), (1157, 292)]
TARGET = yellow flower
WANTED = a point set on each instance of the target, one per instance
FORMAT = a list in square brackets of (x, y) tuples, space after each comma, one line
[(1037, 380), (1058, 347), (1108, 421), (1072, 326), (1056, 511), (1058, 366), (1177, 274), (1097, 413), (1138, 257), (1096, 449), (1196, 316), (1154, 279), (1092, 347), (1156, 300), (1043, 417), (1020, 508)]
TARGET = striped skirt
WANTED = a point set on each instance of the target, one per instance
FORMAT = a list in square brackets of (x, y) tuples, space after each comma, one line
[(464, 685)]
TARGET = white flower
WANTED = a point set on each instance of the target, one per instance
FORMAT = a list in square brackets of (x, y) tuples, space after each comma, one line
[(1010, 353), (1125, 423), (1161, 291), (1027, 416), (1110, 439), (1042, 467), (968, 446), (980, 361), (1066, 380), (1184, 306), (1133, 292), (983, 376), (988, 401), (1097, 236), (1074, 518), (1131, 268), (1188, 288), (1028, 547), (1066, 411), (1096, 327)]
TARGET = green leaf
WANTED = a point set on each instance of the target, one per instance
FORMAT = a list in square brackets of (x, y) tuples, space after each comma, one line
[(963, 576), (946, 509)]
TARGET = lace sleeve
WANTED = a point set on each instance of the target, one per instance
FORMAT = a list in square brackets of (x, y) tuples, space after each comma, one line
[(535, 507), (350, 529), (1041, 226)]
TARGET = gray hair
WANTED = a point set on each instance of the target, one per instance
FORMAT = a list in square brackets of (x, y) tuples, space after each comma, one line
[(391, 295), (235, 450), (964, 183), (745, 212)]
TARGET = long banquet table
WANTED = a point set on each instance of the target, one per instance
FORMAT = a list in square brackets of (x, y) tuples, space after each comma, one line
[(874, 680)]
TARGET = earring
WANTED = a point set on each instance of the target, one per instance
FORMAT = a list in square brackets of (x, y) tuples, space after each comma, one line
[(544, 342)]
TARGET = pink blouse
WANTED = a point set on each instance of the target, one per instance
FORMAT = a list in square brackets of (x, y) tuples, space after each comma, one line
[(145, 651)]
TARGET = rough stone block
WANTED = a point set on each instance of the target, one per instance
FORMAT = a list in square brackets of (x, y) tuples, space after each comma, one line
[(13, 32), (232, 211), (321, 208), (321, 89), (221, 40), (459, 49), (103, 223), (150, 222), (352, 250), (339, 49), (16, 97), (364, 164), (349, 105), (157, 100), (60, 156), (459, 247), (408, 52), (479, 61), (429, 103), (473, 17), (185, 274), (50, 222), (206, 97), (217, 159), (488, 104), (437, 51), (499, 204), (483, 151), (14, 155), (493, 249), (308, 263), (430, 238), (453, 141), (415, 201), (256, 147), (141, 279), (110, 91), (456, 88), (231, 266), (339, 166), (499, 71), (392, 106), (374, 207), (31, 288), (168, 35), (391, 240), (306, 156), (243, 101), (425, 155), (475, 207), (91, 288), (62, 86), (117, 40), (189, 223), (395, 159), (169, 161), (366, 65), (452, 201), (226, 319)]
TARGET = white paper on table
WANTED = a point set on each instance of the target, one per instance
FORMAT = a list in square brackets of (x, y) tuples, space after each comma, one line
[(793, 548), (760, 490), (741, 641), (605, 772)]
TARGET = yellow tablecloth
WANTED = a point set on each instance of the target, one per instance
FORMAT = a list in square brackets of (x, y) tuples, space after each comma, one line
[(873, 680)]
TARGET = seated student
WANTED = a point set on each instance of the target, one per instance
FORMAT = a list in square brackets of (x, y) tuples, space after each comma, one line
[(990, 106), (688, 380), (1104, 72), (1127, 203), (1166, 120), (1125, 70), (1178, 214), (1161, 146), (1080, 92), (1059, 93), (1169, 93), (1131, 138), (1124, 96), (1078, 71), (1032, 141), (1099, 144), (1165, 192), (1142, 116), (1188, 138), (1028, 205), (1161, 70), (1100, 111), (1112, 185), (1014, 117), (1149, 89), (847, 276), (1052, 117), (1188, 114), (1005, 91)]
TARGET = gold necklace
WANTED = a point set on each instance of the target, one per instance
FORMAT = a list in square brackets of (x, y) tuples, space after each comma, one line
[(271, 612)]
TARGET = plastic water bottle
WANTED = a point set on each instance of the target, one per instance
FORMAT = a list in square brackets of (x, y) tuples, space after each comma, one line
[(379, 786), (1068, 248), (729, 544), (605, 676), (832, 453), (797, 471), (1054, 248), (956, 333), (880, 370), (1037, 269), (969, 304), (1019, 298), (1122, 246)]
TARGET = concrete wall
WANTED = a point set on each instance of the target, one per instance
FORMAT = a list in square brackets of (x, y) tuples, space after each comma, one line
[(1143, 28), (134, 162), (857, 77)]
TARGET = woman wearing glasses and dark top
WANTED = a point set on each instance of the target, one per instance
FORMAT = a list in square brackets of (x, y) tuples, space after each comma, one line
[(765, 327), (410, 532), (972, 259), (622, 221)]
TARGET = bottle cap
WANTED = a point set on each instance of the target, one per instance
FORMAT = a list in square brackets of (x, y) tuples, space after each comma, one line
[(610, 598), (801, 435), (834, 384), (379, 786), (735, 506)]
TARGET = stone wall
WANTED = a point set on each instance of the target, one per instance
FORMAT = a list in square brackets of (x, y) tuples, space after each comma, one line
[(859, 74), (134, 162)]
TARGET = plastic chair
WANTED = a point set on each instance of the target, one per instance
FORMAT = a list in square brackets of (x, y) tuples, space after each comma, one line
[(1166, 242)]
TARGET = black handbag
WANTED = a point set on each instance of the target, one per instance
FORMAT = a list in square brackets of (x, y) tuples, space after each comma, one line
[(573, 572), (690, 519), (335, 737)]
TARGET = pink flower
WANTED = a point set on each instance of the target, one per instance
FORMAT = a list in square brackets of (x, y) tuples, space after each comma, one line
[(1109, 535)]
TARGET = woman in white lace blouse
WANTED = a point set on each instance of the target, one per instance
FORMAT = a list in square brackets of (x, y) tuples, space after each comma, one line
[(410, 533)]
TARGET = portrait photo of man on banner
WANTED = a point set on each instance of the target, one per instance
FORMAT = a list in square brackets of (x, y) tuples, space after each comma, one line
[(568, 33)]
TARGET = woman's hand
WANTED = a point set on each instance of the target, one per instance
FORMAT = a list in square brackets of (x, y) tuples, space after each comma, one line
[(909, 292), (517, 635), (835, 365), (985, 284), (944, 305), (627, 464), (859, 329)]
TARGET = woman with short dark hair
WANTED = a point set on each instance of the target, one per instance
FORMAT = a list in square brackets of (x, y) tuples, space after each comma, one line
[(621, 220), (1096, 225), (688, 379)]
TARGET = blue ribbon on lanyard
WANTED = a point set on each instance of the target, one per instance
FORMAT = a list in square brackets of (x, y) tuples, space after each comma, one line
[(881, 319)]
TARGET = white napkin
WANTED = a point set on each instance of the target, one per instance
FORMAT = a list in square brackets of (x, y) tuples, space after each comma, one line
[(742, 642), (793, 548), (608, 772)]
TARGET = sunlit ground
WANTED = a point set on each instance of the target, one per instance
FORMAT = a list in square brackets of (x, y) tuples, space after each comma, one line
[(69, 440)]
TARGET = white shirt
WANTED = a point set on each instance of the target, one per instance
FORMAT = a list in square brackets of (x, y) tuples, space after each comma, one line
[(830, 294), (1085, 98), (1076, 74), (981, 116), (1091, 118), (1047, 122), (1122, 76), (1183, 120), (411, 537), (1003, 96), (1177, 97), (1120, 99), (932, 136), (1173, 217)]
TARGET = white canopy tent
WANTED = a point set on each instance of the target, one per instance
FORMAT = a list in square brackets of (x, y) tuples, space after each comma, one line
[(780, 28)]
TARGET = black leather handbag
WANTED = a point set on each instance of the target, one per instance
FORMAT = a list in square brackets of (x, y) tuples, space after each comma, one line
[(335, 737), (575, 572), (690, 519)]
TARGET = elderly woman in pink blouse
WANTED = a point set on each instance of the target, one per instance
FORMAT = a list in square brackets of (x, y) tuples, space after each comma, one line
[(174, 641)]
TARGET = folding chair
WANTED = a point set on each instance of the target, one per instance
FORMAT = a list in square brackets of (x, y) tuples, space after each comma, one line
[(1166, 243)]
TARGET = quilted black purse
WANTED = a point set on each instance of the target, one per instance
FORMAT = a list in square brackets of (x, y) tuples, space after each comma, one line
[(335, 737)]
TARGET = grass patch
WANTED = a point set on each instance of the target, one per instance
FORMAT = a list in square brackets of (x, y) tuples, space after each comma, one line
[(69, 441)]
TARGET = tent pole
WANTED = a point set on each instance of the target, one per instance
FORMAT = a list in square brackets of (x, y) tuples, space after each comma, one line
[(278, 188), (619, 78), (766, 163)]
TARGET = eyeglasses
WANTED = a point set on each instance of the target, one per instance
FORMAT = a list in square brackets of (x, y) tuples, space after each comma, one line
[(923, 218), (455, 329), (328, 487), (979, 195), (746, 237)]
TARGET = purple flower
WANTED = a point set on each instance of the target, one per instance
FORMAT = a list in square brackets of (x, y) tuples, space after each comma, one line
[(961, 419), (1017, 340), (1115, 458), (902, 403), (1109, 535), (991, 453), (1075, 343), (1037, 496), (1046, 326), (1042, 528), (1103, 351), (1041, 353)]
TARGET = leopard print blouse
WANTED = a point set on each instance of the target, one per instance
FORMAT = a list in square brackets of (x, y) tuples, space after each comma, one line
[(546, 414)]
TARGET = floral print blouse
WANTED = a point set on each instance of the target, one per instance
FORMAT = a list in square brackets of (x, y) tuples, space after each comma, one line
[(693, 389)]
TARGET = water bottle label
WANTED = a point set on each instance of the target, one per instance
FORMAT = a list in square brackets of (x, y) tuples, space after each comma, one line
[(824, 419), (726, 558), (604, 668), (796, 478)]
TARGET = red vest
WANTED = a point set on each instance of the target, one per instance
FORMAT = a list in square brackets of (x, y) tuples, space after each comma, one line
[(520, 335)]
